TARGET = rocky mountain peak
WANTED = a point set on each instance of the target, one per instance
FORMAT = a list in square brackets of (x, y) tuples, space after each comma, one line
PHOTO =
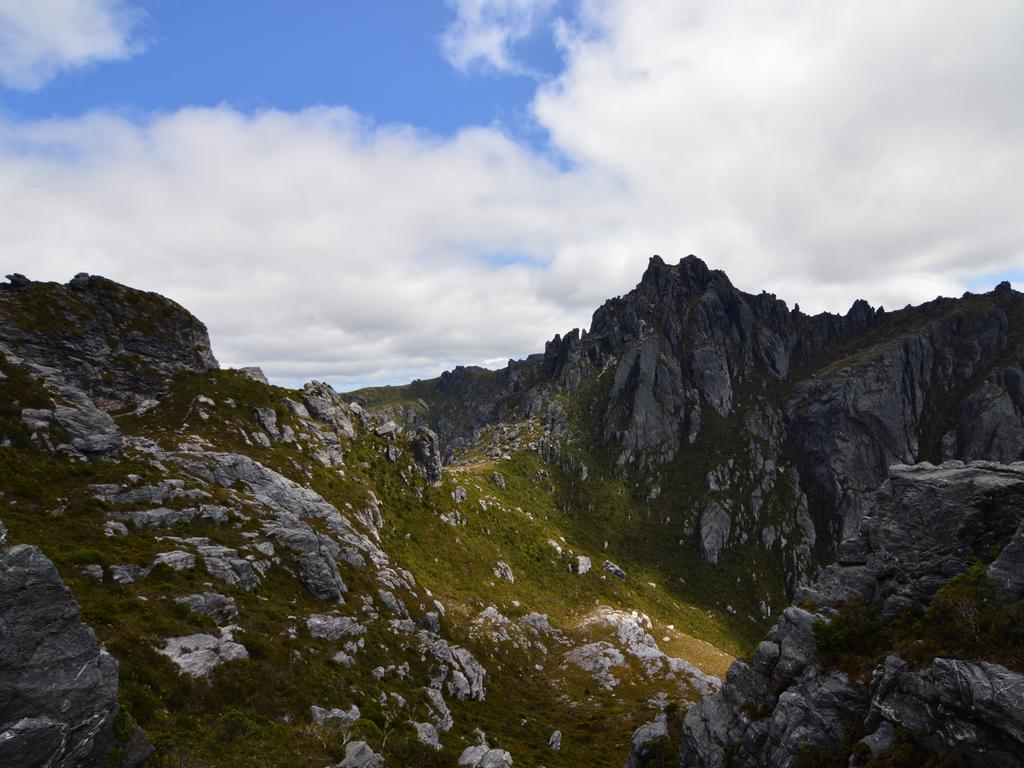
[(117, 344), (690, 276), (686, 378)]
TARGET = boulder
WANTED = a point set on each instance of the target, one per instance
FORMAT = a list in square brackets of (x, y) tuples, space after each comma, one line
[(649, 745), (426, 450), (504, 571), (609, 567), (326, 406), (715, 525), (359, 755), (334, 627), (255, 373), (426, 734), (482, 756), (58, 687), (198, 655), (334, 715), (218, 607)]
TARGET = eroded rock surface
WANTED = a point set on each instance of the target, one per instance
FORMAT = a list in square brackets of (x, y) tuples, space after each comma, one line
[(58, 687), (926, 524)]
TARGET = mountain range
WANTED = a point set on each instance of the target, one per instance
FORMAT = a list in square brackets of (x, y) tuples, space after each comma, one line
[(710, 530)]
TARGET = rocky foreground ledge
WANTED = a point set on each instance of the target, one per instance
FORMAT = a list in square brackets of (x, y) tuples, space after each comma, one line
[(786, 705), (58, 687)]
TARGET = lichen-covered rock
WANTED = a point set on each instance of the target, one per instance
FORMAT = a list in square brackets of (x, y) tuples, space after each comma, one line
[(58, 687)]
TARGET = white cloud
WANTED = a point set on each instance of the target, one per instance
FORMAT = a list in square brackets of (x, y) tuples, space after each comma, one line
[(485, 32), (822, 151), (40, 38), (848, 147), (313, 243)]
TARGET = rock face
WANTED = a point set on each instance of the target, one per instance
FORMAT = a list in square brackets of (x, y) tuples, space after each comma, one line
[(649, 744), (118, 345), (96, 346), (924, 526), (58, 688), (427, 451), (788, 421)]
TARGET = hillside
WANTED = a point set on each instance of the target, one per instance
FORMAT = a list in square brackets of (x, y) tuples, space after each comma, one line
[(280, 576), (751, 435), (524, 565)]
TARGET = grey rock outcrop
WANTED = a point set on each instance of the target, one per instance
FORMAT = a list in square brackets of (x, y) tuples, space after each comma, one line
[(358, 754), (715, 525), (327, 406), (426, 449), (334, 627), (813, 409), (118, 345), (198, 655), (335, 715), (649, 744), (609, 567), (255, 373), (58, 687), (218, 607), (483, 756), (925, 525), (1007, 570), (426, 734), (971, 711)]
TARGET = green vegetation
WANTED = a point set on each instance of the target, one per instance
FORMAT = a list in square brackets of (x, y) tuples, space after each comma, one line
[(256, 712), (965, 620), (904, 752)]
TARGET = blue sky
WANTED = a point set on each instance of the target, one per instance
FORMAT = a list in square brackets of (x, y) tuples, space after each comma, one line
[(368, 192), (382, 58)]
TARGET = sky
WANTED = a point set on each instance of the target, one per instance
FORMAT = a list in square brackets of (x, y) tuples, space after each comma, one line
[(371, 191)]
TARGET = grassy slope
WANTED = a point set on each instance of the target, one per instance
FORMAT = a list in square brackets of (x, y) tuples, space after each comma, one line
[(256, 712)]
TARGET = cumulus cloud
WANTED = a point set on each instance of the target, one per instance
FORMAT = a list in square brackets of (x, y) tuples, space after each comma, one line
[(314, 243), (823, 151), (40, 38), (484, 32)]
